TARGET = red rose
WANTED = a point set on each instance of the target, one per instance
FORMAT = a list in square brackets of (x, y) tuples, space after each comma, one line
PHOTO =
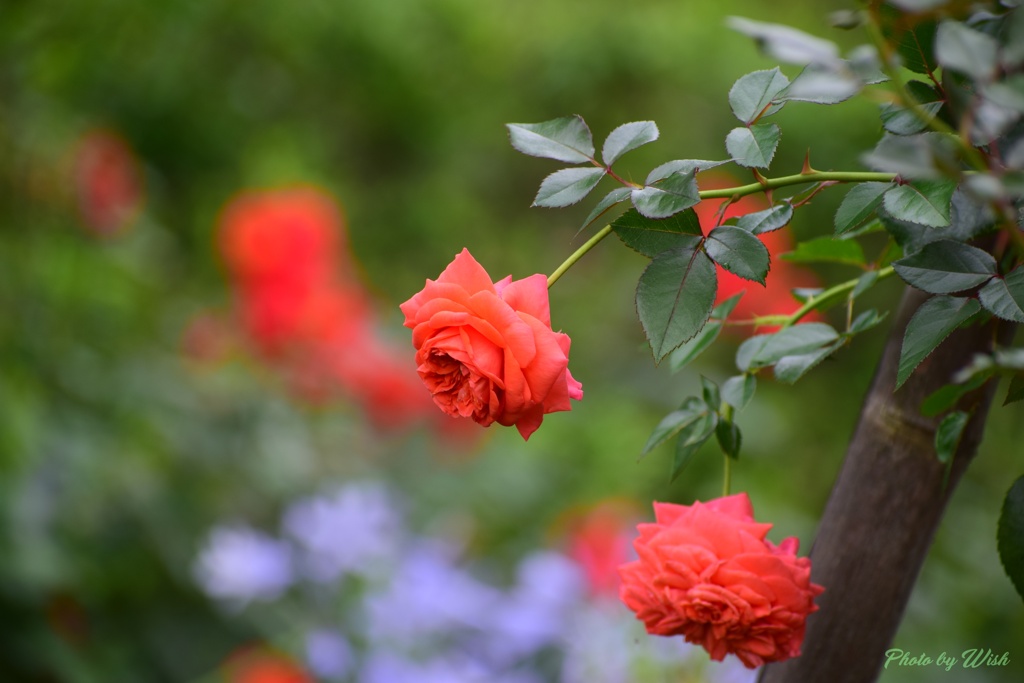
[(707, 573), (486, 349)]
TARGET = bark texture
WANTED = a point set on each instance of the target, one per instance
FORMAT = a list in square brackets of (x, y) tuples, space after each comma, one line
[(884, 509)]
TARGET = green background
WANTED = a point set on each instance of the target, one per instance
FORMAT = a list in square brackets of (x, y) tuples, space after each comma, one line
[(116, 455)]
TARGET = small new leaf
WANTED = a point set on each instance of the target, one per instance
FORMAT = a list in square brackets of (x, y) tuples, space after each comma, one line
[(568, 186), (946, 266), (751, 96), (753, 147), (767, 220), (616, 196), (710, 392), (739, 252), (767, 349), (626, 138), (789, 369), (729, 438), (737, 391), (930, 324), (565, 139), (680, 166), (674, 298)]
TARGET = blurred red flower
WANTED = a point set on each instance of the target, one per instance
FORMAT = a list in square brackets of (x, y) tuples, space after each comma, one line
[(260, 665), (304, 309), (599, 542), (107, 181), (282, 249), (775, 297)]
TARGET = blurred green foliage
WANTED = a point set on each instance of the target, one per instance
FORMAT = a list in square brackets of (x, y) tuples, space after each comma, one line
[(117, 454)]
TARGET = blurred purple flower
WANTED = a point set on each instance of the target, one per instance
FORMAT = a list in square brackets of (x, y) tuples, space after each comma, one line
[(328, 654), (599, 647), (535, 613), (428, 594), (241, 564), (353, 530), (389, 668)]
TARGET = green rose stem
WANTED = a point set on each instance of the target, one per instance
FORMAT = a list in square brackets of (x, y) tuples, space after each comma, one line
[(827, 296), (736, 192)]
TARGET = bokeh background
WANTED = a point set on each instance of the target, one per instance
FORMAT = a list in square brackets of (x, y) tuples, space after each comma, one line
[(181, 500)]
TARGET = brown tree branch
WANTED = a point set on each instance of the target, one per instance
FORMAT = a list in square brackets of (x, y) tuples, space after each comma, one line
[(886, 504)]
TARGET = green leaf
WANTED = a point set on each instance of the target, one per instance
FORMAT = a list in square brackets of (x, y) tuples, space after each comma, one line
[(686, 353), (729, 438), (651, 237), (766, 220), (566, 139), (789, 369), (753, 147), (948, 434), (1016, 390), (737, 391), (945, 397), (767, 349), (616, 196), (921, 201), (858, 205), (681, 166), (626, 138), (692, 411), (865, 321), (930, 324), (672, 195), (738, 252), (822, 85), (946, 266), (786, 43), (690, 441), (1010, 535), (674, 298), (914, 40), (567, 186), (962, 49), (751, 96), (827, 250), (725, 308), (709, 390), (903, 121), (921, 156), (1004, 297), (864, 283)]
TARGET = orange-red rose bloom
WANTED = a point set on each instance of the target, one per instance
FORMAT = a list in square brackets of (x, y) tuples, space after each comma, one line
[(706, 572), (486, 349)]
